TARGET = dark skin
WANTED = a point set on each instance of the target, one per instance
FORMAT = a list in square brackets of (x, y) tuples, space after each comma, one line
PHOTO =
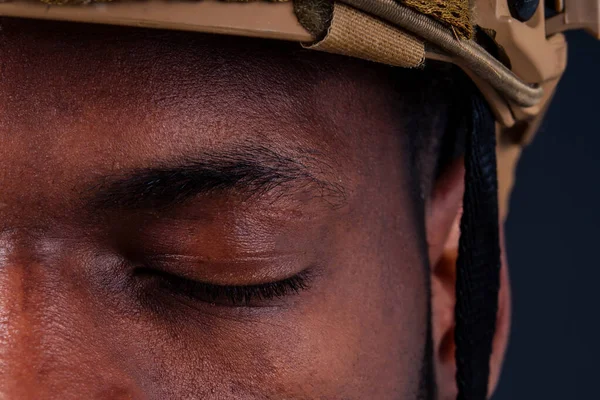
[(193, 216)]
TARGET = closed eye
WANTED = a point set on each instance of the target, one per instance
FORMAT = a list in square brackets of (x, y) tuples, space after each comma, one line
[(235, 296)]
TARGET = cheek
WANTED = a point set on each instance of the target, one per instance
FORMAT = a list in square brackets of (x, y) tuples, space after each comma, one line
[(360, 333), (341, 345)]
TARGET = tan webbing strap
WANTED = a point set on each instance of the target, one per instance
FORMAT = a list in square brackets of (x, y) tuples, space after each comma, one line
[(356, 34)]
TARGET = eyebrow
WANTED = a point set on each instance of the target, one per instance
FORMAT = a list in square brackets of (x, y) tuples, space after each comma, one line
[(249, 171)]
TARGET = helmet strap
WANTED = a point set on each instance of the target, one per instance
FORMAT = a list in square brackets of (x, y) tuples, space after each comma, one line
[(478, 264)]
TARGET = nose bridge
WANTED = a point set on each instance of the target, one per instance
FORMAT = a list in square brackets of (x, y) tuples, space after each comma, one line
[(50, 347), (17, 338), (36, 329)]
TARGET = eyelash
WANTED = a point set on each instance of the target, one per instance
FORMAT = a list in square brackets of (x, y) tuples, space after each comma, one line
[(237, 296)]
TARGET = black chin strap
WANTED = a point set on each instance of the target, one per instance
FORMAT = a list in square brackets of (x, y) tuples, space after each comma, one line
[(478, 265)]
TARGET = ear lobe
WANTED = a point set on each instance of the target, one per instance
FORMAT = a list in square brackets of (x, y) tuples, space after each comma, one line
[(444, 210), (443, 214), (443, 300)]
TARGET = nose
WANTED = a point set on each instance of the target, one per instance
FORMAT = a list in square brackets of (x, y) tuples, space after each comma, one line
[(22, 330), (50, 346)]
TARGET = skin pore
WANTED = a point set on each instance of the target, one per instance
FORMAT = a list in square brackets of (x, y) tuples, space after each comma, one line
[(203, 217)]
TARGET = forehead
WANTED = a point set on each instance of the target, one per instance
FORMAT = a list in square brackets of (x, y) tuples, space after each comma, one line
[(126, 84), (82, 101)]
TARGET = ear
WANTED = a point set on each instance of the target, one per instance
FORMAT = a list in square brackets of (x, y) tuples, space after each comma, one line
[(443, 213)]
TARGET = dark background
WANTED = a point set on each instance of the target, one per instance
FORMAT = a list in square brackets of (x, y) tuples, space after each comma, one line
[(553, 236)]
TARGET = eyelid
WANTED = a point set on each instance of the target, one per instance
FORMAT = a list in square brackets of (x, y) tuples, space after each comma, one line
[(246, 271), (236, 296)]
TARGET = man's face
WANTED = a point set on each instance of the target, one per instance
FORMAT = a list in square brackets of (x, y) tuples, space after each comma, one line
[(190, 216)]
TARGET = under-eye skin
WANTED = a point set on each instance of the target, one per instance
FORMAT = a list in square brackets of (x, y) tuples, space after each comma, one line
[(261, 295)]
